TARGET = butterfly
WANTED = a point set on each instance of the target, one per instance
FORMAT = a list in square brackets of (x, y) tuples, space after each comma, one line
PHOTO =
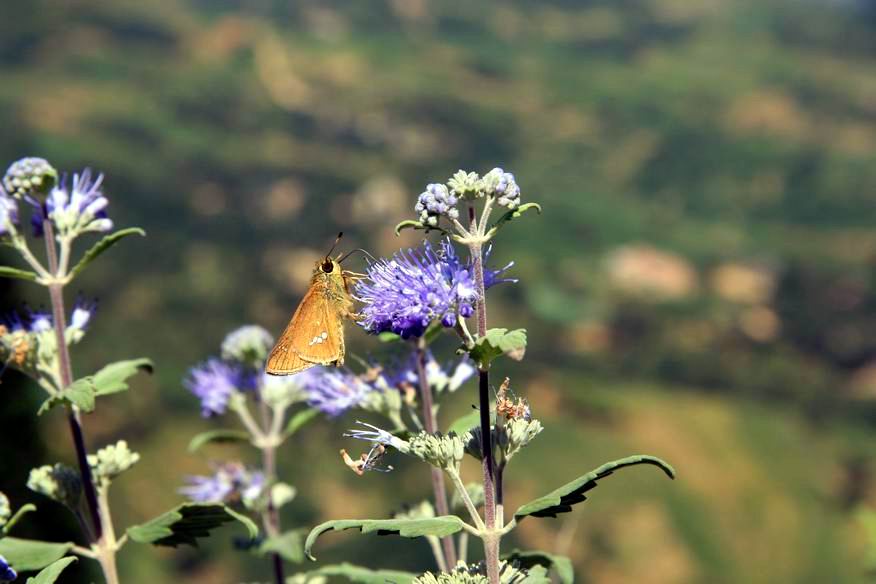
[(315, 335)]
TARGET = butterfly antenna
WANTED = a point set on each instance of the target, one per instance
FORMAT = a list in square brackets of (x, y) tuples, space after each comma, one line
[(352, 251), (334, 245)]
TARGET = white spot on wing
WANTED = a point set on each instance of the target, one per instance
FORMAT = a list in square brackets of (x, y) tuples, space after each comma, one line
[(318, 339)]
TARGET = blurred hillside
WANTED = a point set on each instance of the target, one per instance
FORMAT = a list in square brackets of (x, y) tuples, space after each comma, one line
[(701, 285)]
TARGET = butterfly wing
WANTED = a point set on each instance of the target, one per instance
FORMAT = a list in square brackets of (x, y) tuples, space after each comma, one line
[(314, 336)]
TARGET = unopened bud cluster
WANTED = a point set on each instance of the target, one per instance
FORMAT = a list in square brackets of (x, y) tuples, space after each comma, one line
[(248, 345), (29, 175), (5, 510), (516, 434), (444, 452), (433, 203), (59, 483), (111, 461)]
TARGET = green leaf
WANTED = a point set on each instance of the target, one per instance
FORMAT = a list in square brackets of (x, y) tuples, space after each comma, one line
[(25, 555), (562, 499), (22, 511), (499, 341), (361, 575), (51, 572), (290, 545), (465, 423), (9, 272), (114, 377), (111, 379), (80, 393), (103, 245), (186, 523), (222, 435), (526, 560), (388, 337), (437, 526), (301, 418), (514, 214)]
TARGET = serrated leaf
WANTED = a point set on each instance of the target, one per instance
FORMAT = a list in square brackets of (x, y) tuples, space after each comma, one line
[(22, 511), (465, 423), (301, 418), (80, 393), (50, 573), (114, 377), (186, 523), (221, 436), (496, 342), (562, 499), (290, 545), (362, 575), (527, 559), (437, 526), (103, 245), (515, 213), (10, 272), (25, 555)]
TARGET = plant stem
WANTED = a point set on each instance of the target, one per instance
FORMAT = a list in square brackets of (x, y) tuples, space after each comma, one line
[(107, 547), (271, 518), (430, 423), (492, 540), (56, 294)]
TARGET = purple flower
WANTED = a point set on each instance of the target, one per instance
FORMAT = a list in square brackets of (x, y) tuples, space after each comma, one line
[(39, 321), (406, 293), (213, 383), (447, 378), (75, 209), (230, 481), (7, 574), (8, 213), (333, 391), (83, 312)]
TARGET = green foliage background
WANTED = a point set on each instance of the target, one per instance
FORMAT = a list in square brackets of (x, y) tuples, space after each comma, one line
[(701, 286)]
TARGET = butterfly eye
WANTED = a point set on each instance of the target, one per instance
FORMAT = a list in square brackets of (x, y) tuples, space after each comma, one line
[(327, 266)]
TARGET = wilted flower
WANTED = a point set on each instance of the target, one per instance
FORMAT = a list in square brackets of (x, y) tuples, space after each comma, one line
[(7, 574), (373, 434), (213, 383), (248, 345), (408, 292), (76, 209), (436, 202), (333, 391), (231, 481), (29, 175)]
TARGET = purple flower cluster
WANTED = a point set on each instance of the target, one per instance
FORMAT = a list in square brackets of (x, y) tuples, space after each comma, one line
[(406, 293), (333, 391), (213, 382), (506, 189), (433, 203), (231, 481), (76, 208), (38, 321)]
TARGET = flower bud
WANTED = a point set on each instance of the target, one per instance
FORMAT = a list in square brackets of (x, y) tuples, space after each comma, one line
[(465, 184), (5, 509), (59, 483), (111, 461), (248, 345), (29, 176), (444, 452)]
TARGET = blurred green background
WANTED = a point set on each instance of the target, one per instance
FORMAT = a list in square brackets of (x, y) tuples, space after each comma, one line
[(701, 285)]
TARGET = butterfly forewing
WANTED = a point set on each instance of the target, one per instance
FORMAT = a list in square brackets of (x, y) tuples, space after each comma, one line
[(315, 335)]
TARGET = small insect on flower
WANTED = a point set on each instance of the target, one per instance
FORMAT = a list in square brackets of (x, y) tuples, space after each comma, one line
[(512, 410), (315, 335), (367, 460)]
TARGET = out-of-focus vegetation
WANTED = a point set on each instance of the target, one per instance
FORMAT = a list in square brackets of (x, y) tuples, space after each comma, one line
[(701, 285)]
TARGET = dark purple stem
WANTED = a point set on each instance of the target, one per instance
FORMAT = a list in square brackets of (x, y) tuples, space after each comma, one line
[(430, 424), (56, 294)]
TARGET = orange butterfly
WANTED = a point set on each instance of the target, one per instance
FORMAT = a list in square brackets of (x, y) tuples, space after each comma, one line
[(315, 335)]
